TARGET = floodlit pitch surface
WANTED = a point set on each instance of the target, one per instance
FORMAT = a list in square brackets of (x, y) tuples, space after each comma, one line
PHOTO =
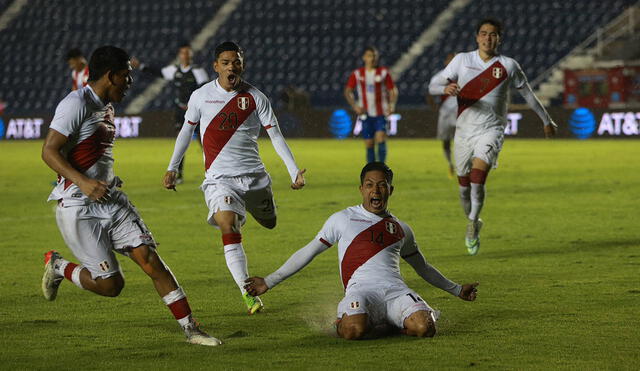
[(558, 267)]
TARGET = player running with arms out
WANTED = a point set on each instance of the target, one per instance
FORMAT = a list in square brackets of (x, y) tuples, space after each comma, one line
[(94, 216), (377, 97), (480, 80), (370, 242), (447, 114), (230, 113)]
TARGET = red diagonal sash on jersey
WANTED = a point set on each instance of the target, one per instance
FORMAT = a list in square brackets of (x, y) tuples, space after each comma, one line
[(225, 124), (86, 153), (481, 85), (367, 244)]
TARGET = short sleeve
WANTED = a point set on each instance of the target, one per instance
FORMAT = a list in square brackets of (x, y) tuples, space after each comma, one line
[(351, 82), (388, 81), (169, 72), (193, 109), (331, 231), (518, 78), (265, 112), (69, 115)]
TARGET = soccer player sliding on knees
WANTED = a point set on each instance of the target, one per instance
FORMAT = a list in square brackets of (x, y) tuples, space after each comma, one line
[(370, 241), (480, 81), (230, 113)]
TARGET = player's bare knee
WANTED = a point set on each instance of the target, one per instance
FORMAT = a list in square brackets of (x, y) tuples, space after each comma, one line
[(423, 329), (111, 286), (352, 330)]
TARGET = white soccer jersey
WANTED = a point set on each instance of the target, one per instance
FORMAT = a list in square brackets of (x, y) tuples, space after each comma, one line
[(484, 95), (368, 246), (229, 126), (89, 126), (373, 89), (80, 78)]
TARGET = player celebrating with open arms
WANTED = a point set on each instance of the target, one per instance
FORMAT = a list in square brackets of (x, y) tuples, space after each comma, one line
[(480, 80), (230, 113), (94, 216), (370, 242)]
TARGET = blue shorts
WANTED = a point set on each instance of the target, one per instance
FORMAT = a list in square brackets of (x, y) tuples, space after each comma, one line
[(372, 124)]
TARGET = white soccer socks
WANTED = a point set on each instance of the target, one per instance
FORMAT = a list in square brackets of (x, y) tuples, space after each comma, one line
[(70, 271), (478, 178), (177, 303), (465, 194), (236, 258)]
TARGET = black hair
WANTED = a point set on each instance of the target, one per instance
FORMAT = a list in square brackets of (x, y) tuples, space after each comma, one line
[(492, 21), (371, 48), (74, 53), (228, 46), (107, 58), (377, 166), (184, 44)]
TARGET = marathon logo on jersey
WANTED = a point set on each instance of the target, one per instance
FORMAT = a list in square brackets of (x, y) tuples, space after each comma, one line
[(355, 304), (228, 200), (104, 266), (243, 103), (391, 227), (497, 72)]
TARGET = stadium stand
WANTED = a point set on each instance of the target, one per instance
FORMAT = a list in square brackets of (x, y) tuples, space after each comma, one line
[(309, 44)]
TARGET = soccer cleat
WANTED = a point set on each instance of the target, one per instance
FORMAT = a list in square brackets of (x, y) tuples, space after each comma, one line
[(196, 336), (51, 280), (472, 239), (254, 304)]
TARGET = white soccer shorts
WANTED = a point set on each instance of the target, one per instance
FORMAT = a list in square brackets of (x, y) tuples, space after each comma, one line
[(485, 147), (240, 194), (94, 231), (446, 126), (392, 305)]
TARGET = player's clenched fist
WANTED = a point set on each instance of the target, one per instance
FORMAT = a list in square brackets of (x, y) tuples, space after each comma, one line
[(169, 180), (96, 190), (255, 286), (550, 130), (452, 89), (300, 182), (469, 291)]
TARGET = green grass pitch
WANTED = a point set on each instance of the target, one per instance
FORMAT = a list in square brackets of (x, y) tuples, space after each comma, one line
[(558, 269)]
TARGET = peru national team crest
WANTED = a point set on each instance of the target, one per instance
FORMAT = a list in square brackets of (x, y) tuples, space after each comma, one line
[(243, 103), (391, 227), (497, 72), (104, 266)]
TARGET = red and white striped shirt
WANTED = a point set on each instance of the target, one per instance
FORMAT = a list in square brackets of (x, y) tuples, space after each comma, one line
[(373, 88), (80, 78)]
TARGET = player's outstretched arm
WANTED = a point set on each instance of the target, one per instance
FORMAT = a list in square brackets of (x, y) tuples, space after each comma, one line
[(182, 143), (283, 150), (295, 263), (96, 190), (550, 127)]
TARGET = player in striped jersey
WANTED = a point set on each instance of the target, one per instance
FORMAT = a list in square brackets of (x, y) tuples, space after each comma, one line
[(231, 113), (94, 216), (377, 97), (481, 80), (79, 68), (370, 241)]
